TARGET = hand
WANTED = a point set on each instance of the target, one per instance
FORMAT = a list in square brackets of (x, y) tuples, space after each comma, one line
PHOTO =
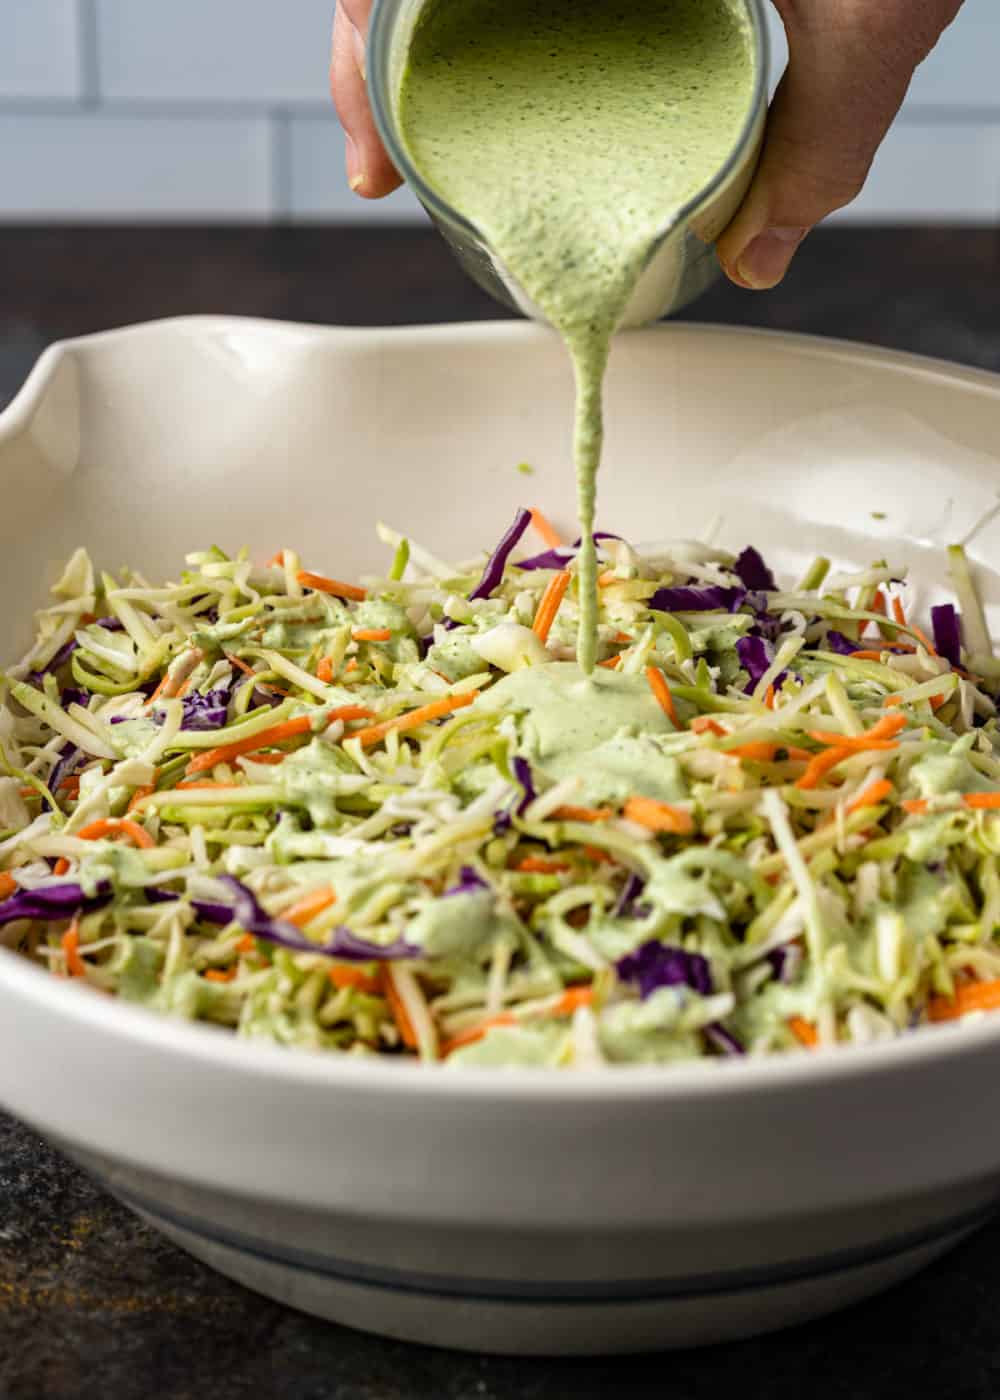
[(370, 172), (850, 65)]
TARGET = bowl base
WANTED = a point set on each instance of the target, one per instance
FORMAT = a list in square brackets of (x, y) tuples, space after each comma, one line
[(538, 1328)]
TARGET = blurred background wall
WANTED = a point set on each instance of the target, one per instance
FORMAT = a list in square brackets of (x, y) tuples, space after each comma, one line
[(217, 110)]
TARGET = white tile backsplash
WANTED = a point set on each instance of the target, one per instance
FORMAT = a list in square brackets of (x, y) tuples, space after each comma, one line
[(39, 49), (260, 51), (89, 165), (218, 109)]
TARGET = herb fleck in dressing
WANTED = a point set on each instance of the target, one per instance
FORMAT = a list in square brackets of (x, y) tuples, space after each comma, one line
[(571, 133)]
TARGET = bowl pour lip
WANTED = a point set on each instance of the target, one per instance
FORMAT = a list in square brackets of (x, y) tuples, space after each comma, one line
[(380, 35)]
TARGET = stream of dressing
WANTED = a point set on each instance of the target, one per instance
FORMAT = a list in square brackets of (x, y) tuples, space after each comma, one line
[(569, 133)]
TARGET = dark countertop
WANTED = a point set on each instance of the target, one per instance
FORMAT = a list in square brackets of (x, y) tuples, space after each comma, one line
[(93, 1305)]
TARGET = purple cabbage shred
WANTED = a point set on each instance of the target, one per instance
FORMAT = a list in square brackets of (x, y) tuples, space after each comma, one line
[(633, 888), (712, 598), (469, 882), (52, 902), (344, 944), (522, 772), (755, 656), (497, 562), (947, 625), (656, 965), (753, 573), (843, 646), (724, 1041)]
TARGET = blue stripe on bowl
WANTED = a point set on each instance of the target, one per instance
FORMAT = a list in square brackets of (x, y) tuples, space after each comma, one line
[(560, 1291)]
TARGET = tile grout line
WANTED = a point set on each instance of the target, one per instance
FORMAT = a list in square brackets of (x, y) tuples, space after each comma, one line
[(89, 57)]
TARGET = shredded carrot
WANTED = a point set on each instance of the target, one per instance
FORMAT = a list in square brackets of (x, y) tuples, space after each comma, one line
[(582, 814), (535, 865), (324, 671), (878, 605), (7, 884), (182, 690), (885, 730), (551, 601), (867, 654), (799, 755), (70, 785), (158, 691), (372, 634), (571, 1001), (117, 826), (982, 801), (476, 1032), (276, 560), (267, 758), (612, 663), (659, 816), (352, 665), (871, 796), (599, 856), (267, 687), (754, 753), (546, 529), (704, 724), (922, 638), (203, 783), (971, 996), (607, 578), (438, 709), (266, 738), (804, 1031), (622, 638), (247, 944), (916, 806), (217, 974), (61, 866), (891, 700), (770, 697), (819, 766), (306, 909), (70, 943), (342, 976), (399, 1013), (332, 586), (140, 794), (660, 688)]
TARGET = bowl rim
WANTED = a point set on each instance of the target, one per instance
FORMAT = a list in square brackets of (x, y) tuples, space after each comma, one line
[(213, 1047)]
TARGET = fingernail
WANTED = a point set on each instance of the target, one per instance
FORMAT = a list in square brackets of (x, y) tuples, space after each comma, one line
[(355, 175), (360, 58), (767, 258)]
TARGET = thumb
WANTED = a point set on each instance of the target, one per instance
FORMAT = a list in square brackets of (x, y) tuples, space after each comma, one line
[(849, 68)]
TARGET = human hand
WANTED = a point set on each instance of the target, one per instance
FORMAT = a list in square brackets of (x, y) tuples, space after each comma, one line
[(850, 64), (370, 172)]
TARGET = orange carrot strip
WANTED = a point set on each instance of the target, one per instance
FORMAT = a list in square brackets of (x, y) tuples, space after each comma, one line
[(599, 856), (117, 826), (476, 1032), (438, 709), (186, 787), (398, 1011), (583, 814), (612, 663), (704, 724), (332, 586), (799, 755), (158, 691), (546, 529), (971, 996), (607, 578), (916, 806), (622, 638), (276, 560), (982, 801), (7, 884), (891, 700), (804, 1031), (61, 866), (820, 765), (372, 634), (217, 974), (342, 976), (658, 816), (324, 671), (307, 908), (555, 592), (535, 865), (71, 785), (262, 758), (247, 944), (871, 796), (922, 638), (267, 687), (754, 753), (266, 738), (70, 942), (660, 688), (878, 605), (887, 728), (867, 654), (139, 795), (770, 697), (571, 1000)]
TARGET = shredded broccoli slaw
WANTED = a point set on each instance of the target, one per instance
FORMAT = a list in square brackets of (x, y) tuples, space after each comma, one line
[(394, 817)]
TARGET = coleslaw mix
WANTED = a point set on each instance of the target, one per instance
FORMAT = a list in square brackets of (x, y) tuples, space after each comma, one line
[(397, 818)]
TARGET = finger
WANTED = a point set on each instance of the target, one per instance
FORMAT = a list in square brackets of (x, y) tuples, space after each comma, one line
[(849, 69), (369, 170)]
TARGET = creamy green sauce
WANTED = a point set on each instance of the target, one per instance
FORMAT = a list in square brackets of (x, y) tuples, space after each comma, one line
[(571, 133)]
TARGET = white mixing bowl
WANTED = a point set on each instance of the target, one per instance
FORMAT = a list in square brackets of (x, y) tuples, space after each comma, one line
[(523, 1211)]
